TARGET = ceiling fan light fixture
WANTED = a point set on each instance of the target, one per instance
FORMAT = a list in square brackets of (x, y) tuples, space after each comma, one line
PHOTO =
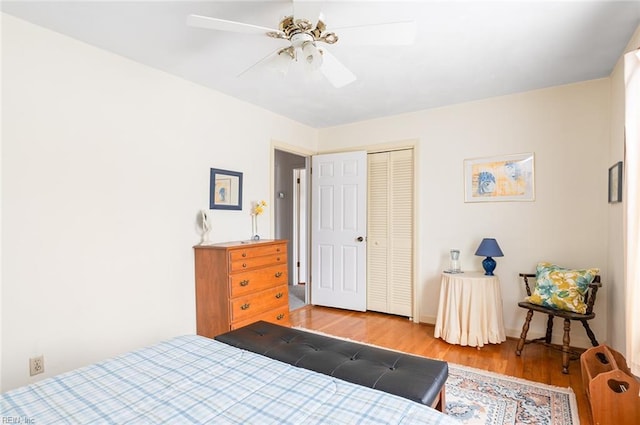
[(311, 55), (282, 61)]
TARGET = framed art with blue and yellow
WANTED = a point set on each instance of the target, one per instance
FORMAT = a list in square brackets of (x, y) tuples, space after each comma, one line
[(225, 190), (499, 178)]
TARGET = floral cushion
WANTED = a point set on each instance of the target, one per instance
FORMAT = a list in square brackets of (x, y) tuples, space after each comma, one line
[(560, 288)]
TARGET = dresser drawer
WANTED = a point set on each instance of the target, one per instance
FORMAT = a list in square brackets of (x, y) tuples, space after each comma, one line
[(249, 305), (279, 316), (254, 262), (257, 251), (257, 280)]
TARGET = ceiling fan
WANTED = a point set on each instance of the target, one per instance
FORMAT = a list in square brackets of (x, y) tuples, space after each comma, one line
[(304, 38)]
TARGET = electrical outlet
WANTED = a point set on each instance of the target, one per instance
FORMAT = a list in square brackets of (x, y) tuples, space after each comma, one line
[(36, 365)]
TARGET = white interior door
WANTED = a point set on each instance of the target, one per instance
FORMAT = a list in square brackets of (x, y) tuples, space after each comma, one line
[(339, 223)]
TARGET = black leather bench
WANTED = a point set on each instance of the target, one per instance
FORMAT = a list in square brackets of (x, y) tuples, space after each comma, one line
[(413, 377)]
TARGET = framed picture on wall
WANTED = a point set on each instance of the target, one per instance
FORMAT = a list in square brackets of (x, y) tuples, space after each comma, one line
[(225, 190), (615, 183), (499, 178)]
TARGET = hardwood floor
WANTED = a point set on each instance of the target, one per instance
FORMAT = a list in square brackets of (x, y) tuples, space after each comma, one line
[(537, 363)]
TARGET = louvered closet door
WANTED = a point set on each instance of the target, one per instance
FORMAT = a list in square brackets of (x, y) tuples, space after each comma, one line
[(390, 232)]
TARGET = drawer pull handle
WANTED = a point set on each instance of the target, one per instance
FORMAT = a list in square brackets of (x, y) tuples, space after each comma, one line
[(278, 274), (280, 316), (244, 264), (244, 254), (244, 283), (279, 295), (278, 259), (244, 306)]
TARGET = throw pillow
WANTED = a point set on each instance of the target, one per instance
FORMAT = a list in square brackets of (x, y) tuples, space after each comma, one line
[(560, 288)]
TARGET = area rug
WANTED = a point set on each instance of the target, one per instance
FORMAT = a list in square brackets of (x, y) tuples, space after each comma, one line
[(478, 397)]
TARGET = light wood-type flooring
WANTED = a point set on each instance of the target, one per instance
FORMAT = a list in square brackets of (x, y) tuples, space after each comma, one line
[(537, 363)]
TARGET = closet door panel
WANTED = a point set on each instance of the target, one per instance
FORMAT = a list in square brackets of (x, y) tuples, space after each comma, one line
[(377, 232), (390, 233), (400, 295)]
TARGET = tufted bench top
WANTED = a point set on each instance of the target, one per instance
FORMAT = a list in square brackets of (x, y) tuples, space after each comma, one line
[(412, 377)]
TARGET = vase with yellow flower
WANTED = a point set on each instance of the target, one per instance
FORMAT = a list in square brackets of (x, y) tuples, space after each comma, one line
[(258, 209)]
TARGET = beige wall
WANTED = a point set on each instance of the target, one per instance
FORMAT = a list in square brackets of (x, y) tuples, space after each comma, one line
[(105, 165), (567, 128)]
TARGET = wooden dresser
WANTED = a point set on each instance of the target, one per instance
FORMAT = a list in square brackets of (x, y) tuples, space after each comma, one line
[(238, 283)]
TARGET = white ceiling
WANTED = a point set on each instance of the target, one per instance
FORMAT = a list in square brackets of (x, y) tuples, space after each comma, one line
[(464, 50)]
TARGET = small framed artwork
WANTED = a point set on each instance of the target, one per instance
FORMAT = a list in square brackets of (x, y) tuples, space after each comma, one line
[(615, 183), (225, 190), (499, 178)]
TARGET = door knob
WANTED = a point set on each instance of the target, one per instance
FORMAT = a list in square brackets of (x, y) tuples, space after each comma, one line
[(360, 239)]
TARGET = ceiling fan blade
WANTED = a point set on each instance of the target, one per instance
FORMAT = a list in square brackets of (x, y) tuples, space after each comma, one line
[(275, 61), (199, 21), (307, 10), (337, 74), (389, 34)]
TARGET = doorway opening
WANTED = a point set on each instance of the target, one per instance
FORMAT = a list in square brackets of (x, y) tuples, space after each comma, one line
[(395, 246), (291, 221)]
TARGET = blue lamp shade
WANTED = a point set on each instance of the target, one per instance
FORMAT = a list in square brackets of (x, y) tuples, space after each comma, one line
[(489, 248)]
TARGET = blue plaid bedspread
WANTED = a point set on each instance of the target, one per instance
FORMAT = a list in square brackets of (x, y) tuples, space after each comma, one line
[(196, 380)]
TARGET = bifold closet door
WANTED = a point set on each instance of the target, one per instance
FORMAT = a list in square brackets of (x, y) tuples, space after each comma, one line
[(390, 232)]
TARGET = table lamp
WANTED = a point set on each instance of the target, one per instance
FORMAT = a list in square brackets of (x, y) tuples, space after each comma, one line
[(489, 248)]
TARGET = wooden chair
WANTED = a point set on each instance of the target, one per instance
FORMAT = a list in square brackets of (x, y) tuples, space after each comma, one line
[(568, 316)]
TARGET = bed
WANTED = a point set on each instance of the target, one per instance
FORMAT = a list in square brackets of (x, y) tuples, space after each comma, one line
[(193, 379)]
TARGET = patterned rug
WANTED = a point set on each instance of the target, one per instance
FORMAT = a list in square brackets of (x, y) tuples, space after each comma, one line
[(476, 396), (479, 397)]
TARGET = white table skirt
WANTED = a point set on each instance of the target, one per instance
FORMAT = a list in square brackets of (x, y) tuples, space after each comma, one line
[(470, 309)]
